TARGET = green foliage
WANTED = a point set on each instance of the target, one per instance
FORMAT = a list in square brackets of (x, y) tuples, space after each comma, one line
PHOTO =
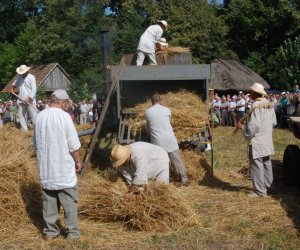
[(285, 64), (258, 25)]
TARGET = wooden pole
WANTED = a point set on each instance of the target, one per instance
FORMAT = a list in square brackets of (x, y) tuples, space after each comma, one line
[(94, 139)]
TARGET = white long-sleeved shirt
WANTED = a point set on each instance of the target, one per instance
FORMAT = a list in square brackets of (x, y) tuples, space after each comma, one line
[(55, 137), (27, 87), (147, 162), (259, 128), (161, 132), (149, 38)]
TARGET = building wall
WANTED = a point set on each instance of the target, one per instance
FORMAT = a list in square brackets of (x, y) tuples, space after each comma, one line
[(55, 80)]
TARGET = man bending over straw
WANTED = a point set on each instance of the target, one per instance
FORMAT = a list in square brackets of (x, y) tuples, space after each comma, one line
[(57, 147), (139, 162)]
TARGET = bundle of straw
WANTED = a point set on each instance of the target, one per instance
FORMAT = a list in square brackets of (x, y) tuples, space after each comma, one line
[(161, 208), (174, 50)]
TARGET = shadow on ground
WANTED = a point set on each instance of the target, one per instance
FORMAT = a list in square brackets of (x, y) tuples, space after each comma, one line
[(212, 181), (32, 198), (288, 196)]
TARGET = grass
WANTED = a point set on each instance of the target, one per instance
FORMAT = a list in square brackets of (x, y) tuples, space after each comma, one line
[(228, 218)]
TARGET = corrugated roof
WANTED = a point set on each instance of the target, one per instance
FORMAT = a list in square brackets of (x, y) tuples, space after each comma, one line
[(40, 72)]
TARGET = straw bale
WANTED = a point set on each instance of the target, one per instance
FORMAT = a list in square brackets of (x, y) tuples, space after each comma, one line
[(189, 113), (175, 50), (160, 209)]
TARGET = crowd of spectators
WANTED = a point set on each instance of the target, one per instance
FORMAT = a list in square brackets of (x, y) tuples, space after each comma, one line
[(229, 109), (81, 112)]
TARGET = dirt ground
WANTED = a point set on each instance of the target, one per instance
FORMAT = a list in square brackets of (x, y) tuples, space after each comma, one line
[(228, 218)]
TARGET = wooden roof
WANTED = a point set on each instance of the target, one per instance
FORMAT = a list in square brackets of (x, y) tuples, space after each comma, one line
[(41, 72), (232, 75)]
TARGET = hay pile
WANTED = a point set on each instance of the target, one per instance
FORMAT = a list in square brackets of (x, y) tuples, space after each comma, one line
[(19, 193), (161, 208), (174, 50), (189, 113), (101, 199)]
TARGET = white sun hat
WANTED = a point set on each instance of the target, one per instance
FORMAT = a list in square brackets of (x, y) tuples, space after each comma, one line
[(119, 154), (258, 88), (164, 23), (22, 69)]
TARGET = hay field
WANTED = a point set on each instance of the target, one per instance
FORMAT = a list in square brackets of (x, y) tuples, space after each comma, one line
[(218, 213)]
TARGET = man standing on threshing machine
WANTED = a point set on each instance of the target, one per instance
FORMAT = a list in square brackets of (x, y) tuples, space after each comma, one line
[(57, 148), (258, 130), (161, 133), (148, 41), (139, 162), (26, 85)]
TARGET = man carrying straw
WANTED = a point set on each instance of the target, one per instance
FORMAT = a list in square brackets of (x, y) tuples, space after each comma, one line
[(161, 134), (258, 129)]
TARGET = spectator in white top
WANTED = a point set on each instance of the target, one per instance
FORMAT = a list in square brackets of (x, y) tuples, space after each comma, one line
[(140, 162), (240, 106), (231, 110), (84, 109), (161, 134), (57, 147), (25, 85), (148, 42)]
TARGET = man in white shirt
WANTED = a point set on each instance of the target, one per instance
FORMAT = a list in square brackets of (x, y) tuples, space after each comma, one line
[(148, 42), (258, 130), (140, 162), (57, 148), (161, 134), (26, 86)]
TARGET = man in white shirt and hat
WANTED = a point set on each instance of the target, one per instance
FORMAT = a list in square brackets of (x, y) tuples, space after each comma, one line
[(258, 130), (158, 119), (26, 86), (148, 41), (140, 162), (57, 148)]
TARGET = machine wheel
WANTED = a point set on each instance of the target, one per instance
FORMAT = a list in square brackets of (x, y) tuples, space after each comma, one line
[(291, 165)]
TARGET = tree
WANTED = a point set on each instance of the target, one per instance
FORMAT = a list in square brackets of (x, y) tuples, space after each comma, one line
[(258, 25), (286, 64)]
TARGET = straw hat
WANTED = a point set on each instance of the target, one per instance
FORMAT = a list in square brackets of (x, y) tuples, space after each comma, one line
[(22, 69), (164, 23), (258, 88), (119, 154)]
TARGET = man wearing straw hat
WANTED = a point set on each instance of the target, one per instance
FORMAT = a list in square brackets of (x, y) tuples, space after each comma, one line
[(26, 85), (57, 147), (148, 42), (162, 134), (139, 162), (258, 130)]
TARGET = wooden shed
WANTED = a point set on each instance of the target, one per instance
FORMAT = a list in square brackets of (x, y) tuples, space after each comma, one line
[(49, 77)]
